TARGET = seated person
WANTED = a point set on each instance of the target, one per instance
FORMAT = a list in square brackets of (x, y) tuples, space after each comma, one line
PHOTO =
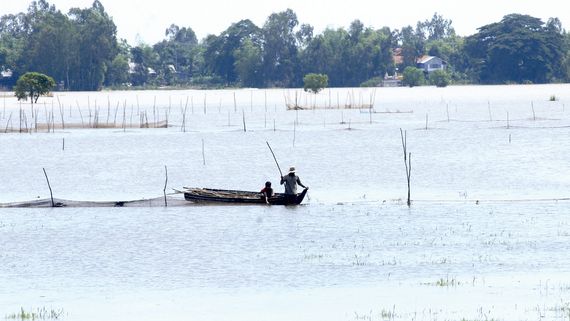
[(267, 192)]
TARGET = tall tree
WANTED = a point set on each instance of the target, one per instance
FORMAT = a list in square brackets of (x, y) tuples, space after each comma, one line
[(177, 55), (279, 48), (118, 69), (219, 52), (438, 28), (248, 64), (518, 49), (97, 46), (413, 44)]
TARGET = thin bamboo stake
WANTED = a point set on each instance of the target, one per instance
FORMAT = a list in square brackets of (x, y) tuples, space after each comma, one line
[(203, 152), (407, 162), (166, 114), (89, 109), (166, 182), (80, 114), (115, 119), (8, 122), (294, 133), (124, 116), (184, 120)]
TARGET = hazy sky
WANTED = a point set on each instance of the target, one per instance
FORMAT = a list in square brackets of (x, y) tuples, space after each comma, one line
[(149, 19)]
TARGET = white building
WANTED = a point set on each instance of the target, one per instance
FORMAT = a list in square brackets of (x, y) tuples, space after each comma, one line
[(429, 64)]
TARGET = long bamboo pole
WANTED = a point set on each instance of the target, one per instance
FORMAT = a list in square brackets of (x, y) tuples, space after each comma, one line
[(50, 192), (280, 172)]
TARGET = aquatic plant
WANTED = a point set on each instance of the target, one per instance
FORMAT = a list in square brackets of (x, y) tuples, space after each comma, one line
[(387, 314), (363, 317), (42, 314), (443, 282)]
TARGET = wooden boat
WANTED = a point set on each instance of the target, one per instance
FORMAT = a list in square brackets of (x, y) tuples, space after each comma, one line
[(208, 195)]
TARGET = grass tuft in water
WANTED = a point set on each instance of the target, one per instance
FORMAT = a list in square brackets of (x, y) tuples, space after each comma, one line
[(443, 282), (41, 314)]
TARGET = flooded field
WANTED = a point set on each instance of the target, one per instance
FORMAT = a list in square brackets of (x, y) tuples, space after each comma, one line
[(486, 236)]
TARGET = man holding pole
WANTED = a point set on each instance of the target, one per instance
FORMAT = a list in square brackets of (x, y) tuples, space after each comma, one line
[(291, 180)]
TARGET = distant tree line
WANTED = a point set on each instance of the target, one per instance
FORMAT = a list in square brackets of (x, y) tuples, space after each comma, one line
[(80, 51)]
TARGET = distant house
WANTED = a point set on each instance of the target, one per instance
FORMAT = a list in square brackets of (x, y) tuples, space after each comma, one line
[(398, 57), (5, 73), (427, 64), (6, 79), (392, 81), (132, 69)]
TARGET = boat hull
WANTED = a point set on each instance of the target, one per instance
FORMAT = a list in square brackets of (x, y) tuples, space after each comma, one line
[(207, 195)]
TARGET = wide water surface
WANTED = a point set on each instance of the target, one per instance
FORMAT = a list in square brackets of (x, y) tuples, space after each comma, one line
[(486, 236)]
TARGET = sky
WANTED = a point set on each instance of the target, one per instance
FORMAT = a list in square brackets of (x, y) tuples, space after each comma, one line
[(147, 21)]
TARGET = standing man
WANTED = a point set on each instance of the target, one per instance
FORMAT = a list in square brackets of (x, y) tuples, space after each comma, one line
[(291, 180)]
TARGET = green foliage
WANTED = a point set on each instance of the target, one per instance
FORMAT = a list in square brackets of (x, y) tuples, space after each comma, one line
[(373, 82), (315, 82), (279, 48), (349, 57), (81, 50), (74, 48), (247, 62), (175, 59), (413, 77), (41, 314), (117, 71), (33, 85), (145, 59), (439, 78), (413, 44), (219, 53), (517, 49)]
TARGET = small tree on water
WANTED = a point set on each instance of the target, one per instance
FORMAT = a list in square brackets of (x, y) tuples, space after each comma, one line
[(33, 85), (315, 82)]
